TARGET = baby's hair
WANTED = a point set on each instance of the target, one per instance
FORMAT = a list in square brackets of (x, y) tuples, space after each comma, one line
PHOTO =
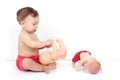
[(24, 12)]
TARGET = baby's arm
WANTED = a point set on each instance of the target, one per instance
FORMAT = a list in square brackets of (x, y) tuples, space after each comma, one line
[(48, 43), (36, 43)]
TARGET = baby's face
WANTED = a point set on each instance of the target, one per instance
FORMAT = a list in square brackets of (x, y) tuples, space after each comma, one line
[(30, 24)]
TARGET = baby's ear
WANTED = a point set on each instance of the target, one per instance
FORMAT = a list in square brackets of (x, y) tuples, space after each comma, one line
[(22, 23)]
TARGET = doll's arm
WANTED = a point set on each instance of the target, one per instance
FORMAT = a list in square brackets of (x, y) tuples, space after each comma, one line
[(79, 65), (73, 64)]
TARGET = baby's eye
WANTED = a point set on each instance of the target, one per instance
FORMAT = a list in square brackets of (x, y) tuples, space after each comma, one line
[(34, 24)]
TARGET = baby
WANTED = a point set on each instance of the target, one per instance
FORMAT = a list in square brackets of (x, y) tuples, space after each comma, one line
[(85, 59), (28, 44)]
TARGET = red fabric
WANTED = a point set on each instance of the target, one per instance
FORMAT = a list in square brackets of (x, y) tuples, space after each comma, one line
[(20, 59), (77, 56)]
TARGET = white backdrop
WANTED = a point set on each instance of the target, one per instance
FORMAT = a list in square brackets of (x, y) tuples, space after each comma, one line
[(82, 24)]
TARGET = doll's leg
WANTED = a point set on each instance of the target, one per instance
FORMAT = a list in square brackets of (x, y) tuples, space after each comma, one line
[(34, 66), (62, 50), (54, 52)]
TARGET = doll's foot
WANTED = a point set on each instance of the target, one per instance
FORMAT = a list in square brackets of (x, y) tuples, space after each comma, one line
[(53, 65), (61, 44)]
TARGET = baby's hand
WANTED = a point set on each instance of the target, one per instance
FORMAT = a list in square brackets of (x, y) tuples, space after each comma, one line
[(49, 43)]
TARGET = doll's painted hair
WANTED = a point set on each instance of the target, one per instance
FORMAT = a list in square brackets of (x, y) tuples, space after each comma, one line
[(24, 12)]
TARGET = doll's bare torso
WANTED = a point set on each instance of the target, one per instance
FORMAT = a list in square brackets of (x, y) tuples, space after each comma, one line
[(23, 49), (85, 57)]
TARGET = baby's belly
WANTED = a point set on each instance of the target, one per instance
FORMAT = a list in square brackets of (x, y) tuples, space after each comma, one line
[(29, 53)]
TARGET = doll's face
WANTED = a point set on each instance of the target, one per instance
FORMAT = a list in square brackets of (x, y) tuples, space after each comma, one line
[(93, 66), (45, 58)]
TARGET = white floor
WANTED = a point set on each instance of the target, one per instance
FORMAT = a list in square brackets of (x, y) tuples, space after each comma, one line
[(110, 71)]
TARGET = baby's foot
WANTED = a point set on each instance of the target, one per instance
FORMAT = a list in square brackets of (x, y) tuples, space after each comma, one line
[(46, 69), (52, 65)]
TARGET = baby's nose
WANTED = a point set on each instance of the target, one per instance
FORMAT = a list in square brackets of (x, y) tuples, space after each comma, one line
[(35, 27)]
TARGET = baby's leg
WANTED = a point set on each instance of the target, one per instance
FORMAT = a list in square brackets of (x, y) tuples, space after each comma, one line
[(52, 65), (62, 50), (34, 66)]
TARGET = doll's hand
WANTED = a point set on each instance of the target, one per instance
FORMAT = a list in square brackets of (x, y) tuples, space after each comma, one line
[(49, 43), (73, 65), (77, 68)]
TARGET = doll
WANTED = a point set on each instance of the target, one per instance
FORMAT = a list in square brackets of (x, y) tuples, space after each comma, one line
[(85, 59), (57, 53)]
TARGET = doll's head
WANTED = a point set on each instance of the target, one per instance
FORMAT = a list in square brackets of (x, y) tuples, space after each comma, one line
[(93, 66), (45, 58)]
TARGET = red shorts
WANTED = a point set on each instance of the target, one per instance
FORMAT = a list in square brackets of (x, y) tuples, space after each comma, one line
[(20, 59)]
